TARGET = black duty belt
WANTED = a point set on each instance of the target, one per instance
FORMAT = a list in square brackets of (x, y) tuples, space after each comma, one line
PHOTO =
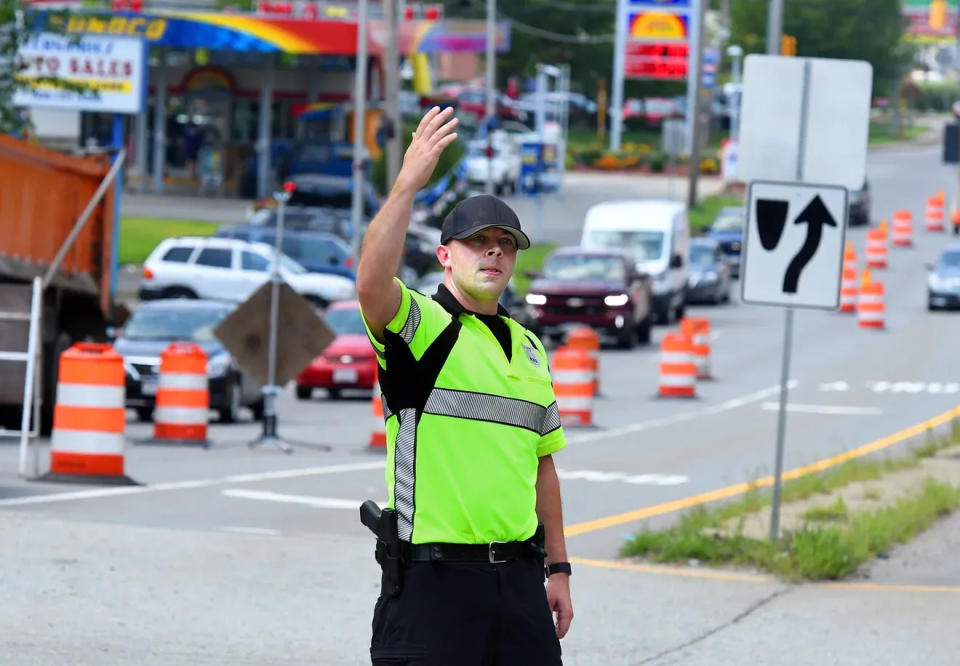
[(494, 552)]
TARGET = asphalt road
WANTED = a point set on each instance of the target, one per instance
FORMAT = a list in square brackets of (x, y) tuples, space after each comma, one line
[(272, 541)]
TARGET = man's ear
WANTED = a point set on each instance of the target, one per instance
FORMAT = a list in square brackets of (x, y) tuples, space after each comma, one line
[(443, 255)]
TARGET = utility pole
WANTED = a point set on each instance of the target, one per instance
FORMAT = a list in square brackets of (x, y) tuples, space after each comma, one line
[(391, 114), (616, 102), (693, 100), (774, 26), (359, 128), (491, 87)]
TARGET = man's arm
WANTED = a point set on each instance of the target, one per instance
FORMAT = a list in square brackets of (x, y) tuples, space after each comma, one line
[(550, 513), (382, 250)]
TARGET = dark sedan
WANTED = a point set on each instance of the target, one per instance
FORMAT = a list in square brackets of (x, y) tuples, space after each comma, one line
[(709, 280), (943, 283), (597, 288), (727, 230), (155, 325)]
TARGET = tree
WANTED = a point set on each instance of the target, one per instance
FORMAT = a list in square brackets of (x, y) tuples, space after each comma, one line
[(11, 36), (870, 30)]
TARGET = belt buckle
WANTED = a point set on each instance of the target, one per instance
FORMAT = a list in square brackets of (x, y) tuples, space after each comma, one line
[(490, 555)]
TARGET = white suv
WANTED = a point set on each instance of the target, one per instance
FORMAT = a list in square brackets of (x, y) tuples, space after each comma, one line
[(228, 269)]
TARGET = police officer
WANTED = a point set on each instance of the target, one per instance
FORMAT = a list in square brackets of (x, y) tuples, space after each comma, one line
[(472, 421)]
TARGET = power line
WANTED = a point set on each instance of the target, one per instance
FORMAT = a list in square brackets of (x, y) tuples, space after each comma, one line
[(564, 38)]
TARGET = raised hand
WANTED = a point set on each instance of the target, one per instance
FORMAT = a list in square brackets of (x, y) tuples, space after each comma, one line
[(434, 133)]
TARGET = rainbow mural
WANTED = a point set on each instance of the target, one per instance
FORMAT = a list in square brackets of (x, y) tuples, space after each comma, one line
[(658, 25), (248, 32)]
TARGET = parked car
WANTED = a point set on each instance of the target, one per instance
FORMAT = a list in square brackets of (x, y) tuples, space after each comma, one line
[(597, 287), (727, 230), (657, 234), (348, 363), (153, 326), (501, 158), (859, 205), (230, 270), (943, 283), (709, 280), (327, 220), (316, 251)]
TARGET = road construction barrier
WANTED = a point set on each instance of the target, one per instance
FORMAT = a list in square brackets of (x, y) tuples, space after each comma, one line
[(955, 221), (573, 385), (871, 311), (89, 417), (587, 339), (902, 228), (934, 217), (183, 396), (698, 330), (848, 289), (678, 370), (876, 253), (378, 437)]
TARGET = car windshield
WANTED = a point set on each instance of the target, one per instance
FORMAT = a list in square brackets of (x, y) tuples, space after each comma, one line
[(267, 217), (950, 259), (584, 267), (193, 324), (728, 223), (345, 320), (644, 245), (702, 255)]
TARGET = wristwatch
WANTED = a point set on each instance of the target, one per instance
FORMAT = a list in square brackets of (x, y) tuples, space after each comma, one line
[(557, 567)]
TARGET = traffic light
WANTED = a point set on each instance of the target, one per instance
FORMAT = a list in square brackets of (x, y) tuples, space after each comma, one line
[(788, 45), (938, 14)]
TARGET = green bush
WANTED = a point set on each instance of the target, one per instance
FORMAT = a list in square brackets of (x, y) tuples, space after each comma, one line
[(934, 96), (656, 162)]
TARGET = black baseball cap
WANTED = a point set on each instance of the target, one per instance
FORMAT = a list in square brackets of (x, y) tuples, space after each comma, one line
[(478, 213)]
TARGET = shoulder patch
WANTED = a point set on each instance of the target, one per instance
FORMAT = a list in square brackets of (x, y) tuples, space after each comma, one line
[(532, 355)]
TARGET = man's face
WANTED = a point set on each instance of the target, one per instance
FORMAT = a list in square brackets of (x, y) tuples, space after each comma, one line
[(481, 265)]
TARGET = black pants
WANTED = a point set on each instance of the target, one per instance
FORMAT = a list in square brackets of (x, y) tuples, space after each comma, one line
[(466, 614)]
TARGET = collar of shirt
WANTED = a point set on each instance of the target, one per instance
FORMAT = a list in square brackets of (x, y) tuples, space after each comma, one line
[(453, 306)]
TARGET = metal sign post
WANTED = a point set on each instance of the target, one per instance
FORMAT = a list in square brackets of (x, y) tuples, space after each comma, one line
[(271, 390)]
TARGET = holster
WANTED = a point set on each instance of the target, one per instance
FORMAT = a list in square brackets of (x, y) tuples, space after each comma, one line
[(388, 553)]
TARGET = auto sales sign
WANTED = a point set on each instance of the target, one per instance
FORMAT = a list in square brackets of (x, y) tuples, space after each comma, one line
[(82, 73)]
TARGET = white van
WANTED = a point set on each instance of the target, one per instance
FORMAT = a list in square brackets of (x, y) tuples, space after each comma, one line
[(658, 235)]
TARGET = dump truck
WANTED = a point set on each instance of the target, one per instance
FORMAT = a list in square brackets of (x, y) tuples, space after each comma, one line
[(43, 193)]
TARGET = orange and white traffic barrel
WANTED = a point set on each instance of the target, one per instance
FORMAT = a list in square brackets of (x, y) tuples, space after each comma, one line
[(848, 289), (934, 216), (587, 339), (378, 435), (183, 396), (871, 311), (89, 417), (573, 385), (876, 249), (902, 228), (678, 370), (698, 330), (955, 220)]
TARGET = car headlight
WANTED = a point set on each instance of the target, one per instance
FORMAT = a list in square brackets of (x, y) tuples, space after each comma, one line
[(660, 285), (536, 299), (710, 276), (934, 282), (218, 365), (616, 300)]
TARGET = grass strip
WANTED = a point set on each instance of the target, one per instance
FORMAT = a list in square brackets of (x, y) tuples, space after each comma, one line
[(826, 551), (139, 235)]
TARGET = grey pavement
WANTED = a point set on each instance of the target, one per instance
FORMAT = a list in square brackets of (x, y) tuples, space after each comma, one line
[(239, 555)]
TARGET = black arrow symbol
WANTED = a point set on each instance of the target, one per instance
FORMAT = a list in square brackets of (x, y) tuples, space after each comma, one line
[(815, 215)]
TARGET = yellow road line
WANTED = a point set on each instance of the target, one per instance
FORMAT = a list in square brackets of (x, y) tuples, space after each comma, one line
[(742, 488), (658, 570), (674, 571)]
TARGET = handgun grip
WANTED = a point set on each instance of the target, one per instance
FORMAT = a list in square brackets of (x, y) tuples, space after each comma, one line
[(370, 516)]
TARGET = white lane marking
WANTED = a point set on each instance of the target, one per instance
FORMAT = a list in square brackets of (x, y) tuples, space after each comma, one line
[(259, 531), (309, 500), (839, 410), (184, 485), (733, 403), (621, 477), (935, 388), (835, 386)]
